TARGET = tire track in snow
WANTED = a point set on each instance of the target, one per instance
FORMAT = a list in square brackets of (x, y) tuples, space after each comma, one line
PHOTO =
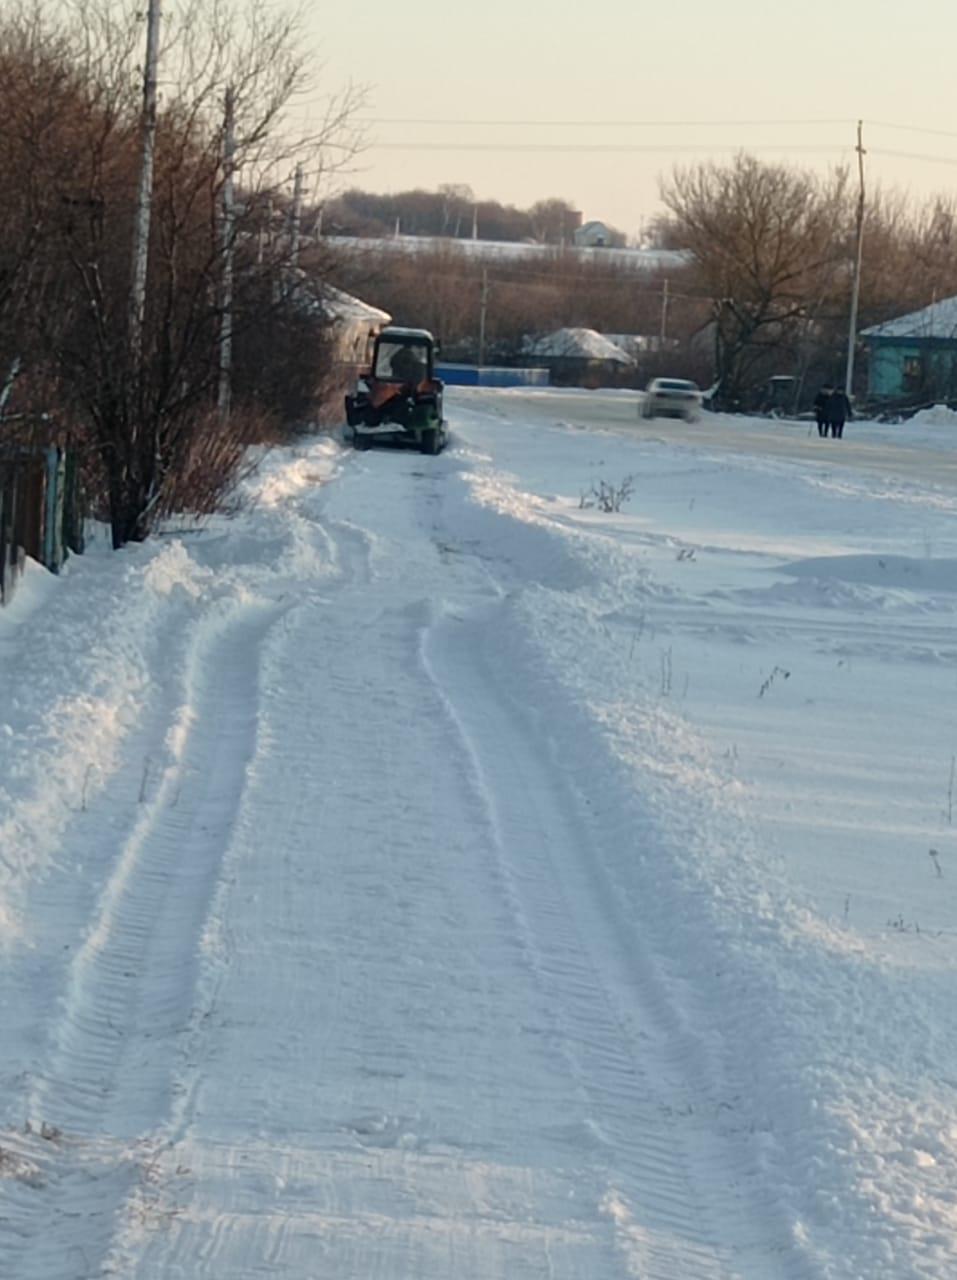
[(672, 1192), (114, 1071), (408, 1119)]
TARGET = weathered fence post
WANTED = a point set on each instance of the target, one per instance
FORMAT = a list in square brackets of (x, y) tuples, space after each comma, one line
[(40, 509)]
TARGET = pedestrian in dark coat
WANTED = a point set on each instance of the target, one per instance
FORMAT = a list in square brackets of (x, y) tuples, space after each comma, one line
[(838, 412), (820, 409)]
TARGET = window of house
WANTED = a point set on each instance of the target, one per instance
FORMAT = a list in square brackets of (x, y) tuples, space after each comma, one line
[(912, 373)]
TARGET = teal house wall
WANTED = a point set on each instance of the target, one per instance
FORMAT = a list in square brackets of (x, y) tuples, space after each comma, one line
[(915, 356), (903, 368)]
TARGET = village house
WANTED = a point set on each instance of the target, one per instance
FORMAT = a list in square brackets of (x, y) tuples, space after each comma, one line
[(593, 235), (914, 358), (579, 357)]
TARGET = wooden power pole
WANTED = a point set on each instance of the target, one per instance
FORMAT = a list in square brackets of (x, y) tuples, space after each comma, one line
[(664, 314), (295, 222), (858, 258), (483, 314)]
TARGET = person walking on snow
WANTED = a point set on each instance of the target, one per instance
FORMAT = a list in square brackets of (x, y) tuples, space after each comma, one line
[(838, 412), (820, 409)]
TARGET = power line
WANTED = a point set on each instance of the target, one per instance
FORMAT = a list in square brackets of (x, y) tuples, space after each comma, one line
[(912, 155), (426, 122), (596, 124), (423, 121), (912, 128), (603, 148), (646, 124)]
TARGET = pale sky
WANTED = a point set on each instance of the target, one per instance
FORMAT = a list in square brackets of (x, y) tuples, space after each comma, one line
[(787, 82)]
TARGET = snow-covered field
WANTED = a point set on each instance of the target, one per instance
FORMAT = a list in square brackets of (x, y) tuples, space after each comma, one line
[(429, 875)]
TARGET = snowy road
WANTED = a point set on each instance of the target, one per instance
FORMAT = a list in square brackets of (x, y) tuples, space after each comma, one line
[(399, 881), (885, 450)]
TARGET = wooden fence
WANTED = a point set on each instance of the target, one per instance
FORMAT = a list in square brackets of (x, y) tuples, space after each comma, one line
[(41, 512)]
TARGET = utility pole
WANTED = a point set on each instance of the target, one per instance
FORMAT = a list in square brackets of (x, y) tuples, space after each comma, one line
[(856, 284), (144, 194), (296, 227), (664, 313), (227, 225), (483, 312)]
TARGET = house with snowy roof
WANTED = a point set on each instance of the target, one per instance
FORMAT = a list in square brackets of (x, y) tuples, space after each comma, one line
[(914, 357), (354, 322), (578, 357)]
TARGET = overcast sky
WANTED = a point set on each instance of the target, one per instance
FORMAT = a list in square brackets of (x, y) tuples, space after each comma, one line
[(786, 81)]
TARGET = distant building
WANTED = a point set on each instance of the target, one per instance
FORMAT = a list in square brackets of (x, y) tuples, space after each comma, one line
[(355, 324), (593, 235), (637, 345), (579, 357), (914, 357)]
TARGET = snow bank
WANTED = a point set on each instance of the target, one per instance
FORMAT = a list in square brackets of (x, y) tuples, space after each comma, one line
[(937, 415)]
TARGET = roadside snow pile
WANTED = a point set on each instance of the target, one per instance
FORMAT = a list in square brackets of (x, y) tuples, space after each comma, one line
[(886, 571), (937, 415), (94, 652), (83, 677)]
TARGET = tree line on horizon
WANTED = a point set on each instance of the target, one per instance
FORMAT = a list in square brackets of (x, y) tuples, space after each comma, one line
[(453, 211), (765, 290)]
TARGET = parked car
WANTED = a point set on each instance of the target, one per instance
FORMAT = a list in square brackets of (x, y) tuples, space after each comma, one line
[(671, 398)]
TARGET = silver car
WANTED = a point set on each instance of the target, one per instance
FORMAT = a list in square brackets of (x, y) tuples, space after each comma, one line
[(671, 398)]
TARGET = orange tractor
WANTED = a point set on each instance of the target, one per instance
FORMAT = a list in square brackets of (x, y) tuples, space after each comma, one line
[(399, 400)]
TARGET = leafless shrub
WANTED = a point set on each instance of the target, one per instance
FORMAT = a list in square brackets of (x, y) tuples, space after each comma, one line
[(211, 458), (776, 673), (607, 497)]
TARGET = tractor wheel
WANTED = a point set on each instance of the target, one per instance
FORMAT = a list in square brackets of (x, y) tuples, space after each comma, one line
[(429, 440), (360, 440)]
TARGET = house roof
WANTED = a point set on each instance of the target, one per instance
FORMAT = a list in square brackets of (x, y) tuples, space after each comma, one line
[(939, 320), (339, 305), (576, 344)]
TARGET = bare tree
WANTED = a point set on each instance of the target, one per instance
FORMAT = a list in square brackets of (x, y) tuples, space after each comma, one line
[(553, 221), (146, 404), (766, 241), (458, 200)]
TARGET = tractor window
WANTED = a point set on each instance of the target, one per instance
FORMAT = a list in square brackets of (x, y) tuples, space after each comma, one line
[(402, 361)]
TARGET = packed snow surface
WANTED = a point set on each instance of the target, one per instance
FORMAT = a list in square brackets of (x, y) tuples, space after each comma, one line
[(435, 872)]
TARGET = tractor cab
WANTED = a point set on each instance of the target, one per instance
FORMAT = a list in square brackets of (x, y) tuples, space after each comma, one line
[(403, 355), (399, 399)]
